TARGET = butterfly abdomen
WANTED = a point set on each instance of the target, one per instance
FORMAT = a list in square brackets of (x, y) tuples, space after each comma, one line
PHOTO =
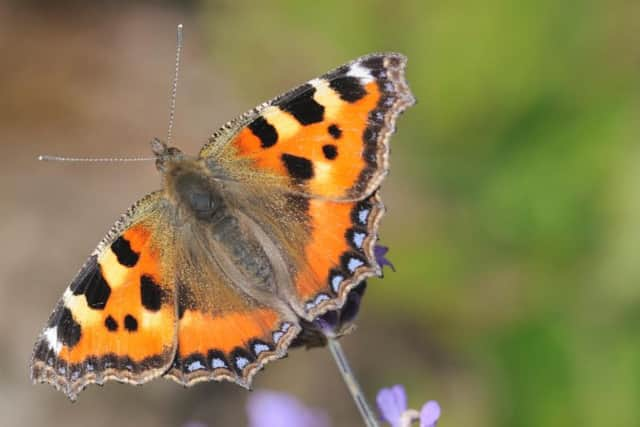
[(247, 257), (210, 211)]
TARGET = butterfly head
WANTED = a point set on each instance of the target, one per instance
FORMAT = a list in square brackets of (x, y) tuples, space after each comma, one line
[(187, 182), (165, 154)]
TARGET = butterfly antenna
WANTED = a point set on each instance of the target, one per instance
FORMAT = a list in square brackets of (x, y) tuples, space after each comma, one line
[(172, 110), (47, 158), (174, 86)]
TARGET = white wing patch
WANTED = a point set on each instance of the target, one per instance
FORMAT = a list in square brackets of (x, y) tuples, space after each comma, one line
[(356, 70), (51, 335)]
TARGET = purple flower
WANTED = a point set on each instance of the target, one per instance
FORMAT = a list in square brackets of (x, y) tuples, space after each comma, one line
[(392, 404), (380, 252), (273, 409), (429, 414)]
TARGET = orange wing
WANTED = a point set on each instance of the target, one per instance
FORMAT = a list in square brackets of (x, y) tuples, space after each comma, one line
[(328, 140), (117, 319), (339, 253), (230, 344), (328, 137)]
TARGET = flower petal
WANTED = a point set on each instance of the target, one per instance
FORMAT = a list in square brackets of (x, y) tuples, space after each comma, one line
[(429, 414), (272, 409), (380, 252), (392, 402)]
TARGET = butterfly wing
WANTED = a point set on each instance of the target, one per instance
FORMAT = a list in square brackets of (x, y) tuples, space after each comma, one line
[(337, 255), (231, 342), (327, 144), (328, 138), (117, 319), (154, 300)]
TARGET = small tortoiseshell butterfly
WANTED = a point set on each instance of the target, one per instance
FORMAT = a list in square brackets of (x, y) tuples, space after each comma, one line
[(272, 224)]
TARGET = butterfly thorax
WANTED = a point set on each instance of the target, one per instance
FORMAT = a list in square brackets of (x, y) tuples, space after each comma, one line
[(194, 192), (210, 220), (188, 184)]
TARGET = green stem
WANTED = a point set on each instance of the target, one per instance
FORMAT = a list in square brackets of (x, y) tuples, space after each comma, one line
[(368, 416)]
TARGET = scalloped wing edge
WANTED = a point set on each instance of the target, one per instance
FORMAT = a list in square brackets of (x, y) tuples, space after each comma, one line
[(43, 371), (372, 269), (248, 372)]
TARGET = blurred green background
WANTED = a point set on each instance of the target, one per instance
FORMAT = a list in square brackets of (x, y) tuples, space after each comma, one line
[(513, 198)]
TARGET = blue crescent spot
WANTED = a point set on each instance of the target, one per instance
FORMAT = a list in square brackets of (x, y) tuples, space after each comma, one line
[(358, 239), (335, 282), (260, 348), (218, 363), (354, 263), (241, 362), (194, 366), (362, 216)]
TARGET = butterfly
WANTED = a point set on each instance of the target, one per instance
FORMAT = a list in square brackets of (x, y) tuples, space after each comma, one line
[(272, 224)]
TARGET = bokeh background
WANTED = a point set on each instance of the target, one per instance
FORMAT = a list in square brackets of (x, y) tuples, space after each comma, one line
[(513, 201)]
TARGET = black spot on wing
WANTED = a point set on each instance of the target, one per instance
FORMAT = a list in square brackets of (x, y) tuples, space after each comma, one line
[(91, 283), (111, 324), (130, 323), (348, 87), (69, 331), (375, 64), (122, 249), (301, 105), (150, 293), (330, 151), (298, 167), (97, 292), (334, 131), (264, 131)]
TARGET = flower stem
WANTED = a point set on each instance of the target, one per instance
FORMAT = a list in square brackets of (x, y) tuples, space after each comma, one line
[(352, 384)]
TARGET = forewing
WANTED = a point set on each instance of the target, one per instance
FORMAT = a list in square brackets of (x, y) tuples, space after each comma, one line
[(117, 318), (328, 138)]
